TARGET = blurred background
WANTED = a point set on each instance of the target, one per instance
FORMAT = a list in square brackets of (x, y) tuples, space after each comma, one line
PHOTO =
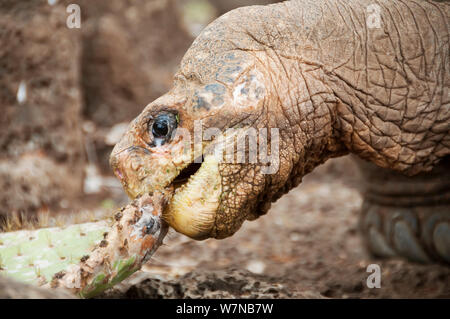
[(66, 97)]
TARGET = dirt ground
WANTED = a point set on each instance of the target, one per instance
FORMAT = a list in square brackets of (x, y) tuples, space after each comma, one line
[(307, 246)]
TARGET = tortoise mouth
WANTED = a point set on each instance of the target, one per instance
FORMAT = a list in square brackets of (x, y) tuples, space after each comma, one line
[(194, 203), (195, 190), (186, 173)]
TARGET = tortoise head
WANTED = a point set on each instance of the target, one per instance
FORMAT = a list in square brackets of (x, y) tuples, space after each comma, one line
[(210, 138)]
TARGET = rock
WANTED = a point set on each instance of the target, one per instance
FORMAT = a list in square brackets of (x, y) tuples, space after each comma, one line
[(230, 283), (11, 289)]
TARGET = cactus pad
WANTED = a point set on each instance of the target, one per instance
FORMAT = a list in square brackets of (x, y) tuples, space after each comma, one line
[(86, 258)]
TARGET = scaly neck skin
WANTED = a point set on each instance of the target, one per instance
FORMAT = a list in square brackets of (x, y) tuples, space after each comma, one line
[(301, 105), (385, 86), (304, 110)]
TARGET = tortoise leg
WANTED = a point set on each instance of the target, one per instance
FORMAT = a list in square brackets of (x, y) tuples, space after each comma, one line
[(407, 216)]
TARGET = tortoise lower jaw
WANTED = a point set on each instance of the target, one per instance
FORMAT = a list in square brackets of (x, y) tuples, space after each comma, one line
[(192, 209)]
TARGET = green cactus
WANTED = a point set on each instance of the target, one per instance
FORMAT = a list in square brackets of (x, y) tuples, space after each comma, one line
[(86, 258)]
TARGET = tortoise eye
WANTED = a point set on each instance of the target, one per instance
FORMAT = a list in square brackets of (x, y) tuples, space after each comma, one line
[(160, 128), (163, 127)]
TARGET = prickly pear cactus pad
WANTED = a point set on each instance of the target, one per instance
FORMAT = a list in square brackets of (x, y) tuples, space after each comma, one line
[(86, 258), (33, 256)]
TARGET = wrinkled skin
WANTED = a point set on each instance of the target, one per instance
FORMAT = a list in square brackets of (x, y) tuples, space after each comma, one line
[(315, 71)]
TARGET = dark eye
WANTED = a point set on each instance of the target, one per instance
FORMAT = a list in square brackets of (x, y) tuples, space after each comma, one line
[(162, 128)]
